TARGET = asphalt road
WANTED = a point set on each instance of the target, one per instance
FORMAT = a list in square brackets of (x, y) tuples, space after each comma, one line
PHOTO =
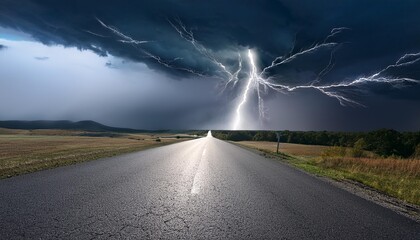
[(199, 189)]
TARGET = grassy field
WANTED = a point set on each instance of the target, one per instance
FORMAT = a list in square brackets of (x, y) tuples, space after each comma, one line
[(24, 151), (396, 177)]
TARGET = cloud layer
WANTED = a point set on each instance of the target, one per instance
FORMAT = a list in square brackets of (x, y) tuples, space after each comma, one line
[(204, 40), (272, 27)]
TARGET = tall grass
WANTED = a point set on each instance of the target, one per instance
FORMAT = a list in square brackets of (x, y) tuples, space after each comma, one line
[(397, 177), (394, 176), (405, 167)]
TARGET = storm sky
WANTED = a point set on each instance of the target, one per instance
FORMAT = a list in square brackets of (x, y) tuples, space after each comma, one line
[(298, 65)]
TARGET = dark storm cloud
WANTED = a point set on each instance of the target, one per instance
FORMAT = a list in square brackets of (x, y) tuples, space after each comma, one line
[(369, 37), (381, 31)]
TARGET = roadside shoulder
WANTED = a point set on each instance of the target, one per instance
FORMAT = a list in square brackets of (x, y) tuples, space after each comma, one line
[(401, 207)]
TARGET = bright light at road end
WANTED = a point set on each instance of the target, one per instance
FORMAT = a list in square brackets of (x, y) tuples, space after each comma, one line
[(252, 76), (209, 134)]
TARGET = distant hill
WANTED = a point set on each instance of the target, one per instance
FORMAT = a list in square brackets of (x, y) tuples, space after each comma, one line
[(91, 126)]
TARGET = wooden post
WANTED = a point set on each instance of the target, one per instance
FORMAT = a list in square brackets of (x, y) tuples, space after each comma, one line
[(278, 141)]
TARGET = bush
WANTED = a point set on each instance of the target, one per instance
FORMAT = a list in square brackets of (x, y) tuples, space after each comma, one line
[(416, 154), (334, 152), (265, 136), (357, 150)]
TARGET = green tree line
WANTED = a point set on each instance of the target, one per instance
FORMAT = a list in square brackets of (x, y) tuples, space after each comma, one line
[(384, 142)]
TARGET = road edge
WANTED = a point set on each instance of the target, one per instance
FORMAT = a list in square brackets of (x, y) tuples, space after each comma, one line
[(398, 206)]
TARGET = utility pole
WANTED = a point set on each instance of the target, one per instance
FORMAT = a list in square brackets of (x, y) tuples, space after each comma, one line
[(278, 141)]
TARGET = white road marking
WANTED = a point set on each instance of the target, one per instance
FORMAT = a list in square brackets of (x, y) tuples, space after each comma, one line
[(198, 182)]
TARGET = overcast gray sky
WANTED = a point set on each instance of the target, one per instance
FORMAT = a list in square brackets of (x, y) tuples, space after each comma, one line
[(347, 65)]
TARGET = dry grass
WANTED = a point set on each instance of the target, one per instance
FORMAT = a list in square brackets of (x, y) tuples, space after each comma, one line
[(23, 151), (407, 167), (397, 177), (288, 148), (13, 131)]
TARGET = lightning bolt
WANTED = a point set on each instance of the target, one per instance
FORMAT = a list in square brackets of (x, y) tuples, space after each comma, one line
[(261, 81), (251, 78), (336, 31), (283, 60), (125, 39), (188, 35)]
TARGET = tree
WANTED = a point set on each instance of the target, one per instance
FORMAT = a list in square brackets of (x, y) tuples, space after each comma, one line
[(385, 142)]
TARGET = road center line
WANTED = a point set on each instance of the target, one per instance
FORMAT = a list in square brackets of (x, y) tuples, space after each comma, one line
[(198, 178)]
